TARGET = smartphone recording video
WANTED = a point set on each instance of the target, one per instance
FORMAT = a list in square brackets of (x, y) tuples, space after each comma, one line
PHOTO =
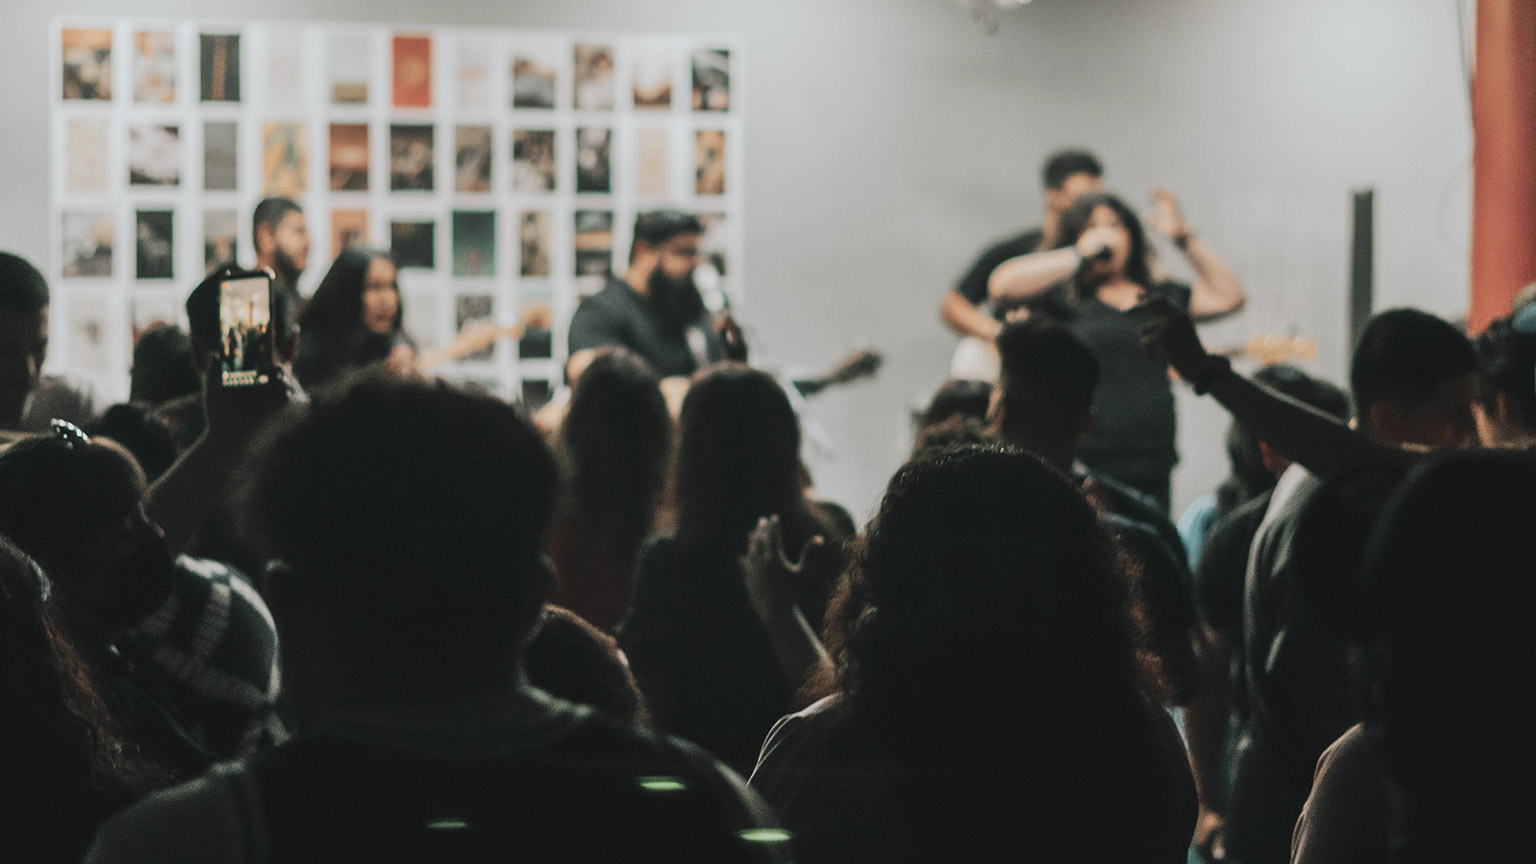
[(245, 329)]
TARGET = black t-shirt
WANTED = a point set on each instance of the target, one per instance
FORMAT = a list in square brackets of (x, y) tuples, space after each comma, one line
[(618, 315), (973, 285), (1224, 564), (1134, 424)]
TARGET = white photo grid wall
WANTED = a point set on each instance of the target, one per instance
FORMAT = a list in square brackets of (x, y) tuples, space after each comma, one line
[(503, 168)]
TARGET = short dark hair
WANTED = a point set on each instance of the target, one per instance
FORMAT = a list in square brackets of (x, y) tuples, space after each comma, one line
[(957, 396), (1506, 363), (203, 310), (656, 227), (1403, 355), (413, 516), (1064, 163), (270, 212), (22, 286), (1051, 363), (162, 366)]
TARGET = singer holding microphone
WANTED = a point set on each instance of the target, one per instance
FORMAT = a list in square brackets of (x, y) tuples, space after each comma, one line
[(1103, 266)]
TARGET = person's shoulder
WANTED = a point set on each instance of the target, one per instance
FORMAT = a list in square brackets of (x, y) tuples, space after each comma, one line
[(200, 820), (1014, 245)]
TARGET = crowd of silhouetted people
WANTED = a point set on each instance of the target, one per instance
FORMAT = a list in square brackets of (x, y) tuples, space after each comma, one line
[(360, 615)]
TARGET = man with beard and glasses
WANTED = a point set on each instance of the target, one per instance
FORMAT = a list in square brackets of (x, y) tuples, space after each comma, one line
[(282, 241), (656, 310)]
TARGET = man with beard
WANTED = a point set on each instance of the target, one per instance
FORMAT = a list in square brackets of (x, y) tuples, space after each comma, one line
[(656, 310), (282, 241)]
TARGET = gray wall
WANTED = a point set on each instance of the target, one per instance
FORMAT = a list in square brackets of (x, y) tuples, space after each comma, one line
[(889, 139)]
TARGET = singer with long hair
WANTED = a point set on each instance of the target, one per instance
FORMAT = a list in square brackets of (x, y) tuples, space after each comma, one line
[(1102, 266)]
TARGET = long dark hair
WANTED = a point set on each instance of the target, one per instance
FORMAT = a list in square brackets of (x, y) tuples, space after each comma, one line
[(614, 444), (1074, 221), (64, 755), (738, 459), (331, 332)]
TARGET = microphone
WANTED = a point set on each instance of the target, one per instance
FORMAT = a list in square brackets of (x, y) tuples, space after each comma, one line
[(1104, 254)]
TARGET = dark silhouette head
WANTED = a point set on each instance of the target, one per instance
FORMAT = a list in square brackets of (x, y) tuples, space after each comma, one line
[(1506, 383), (1412, 377), (957, 396), (163, 367), (1046, 384), (1060, 166), (615, 442), (1448, 584), (142, 434), (76, 506), (23, 334), (738, 460), (410, 520), (574, 660), (1250, 474)]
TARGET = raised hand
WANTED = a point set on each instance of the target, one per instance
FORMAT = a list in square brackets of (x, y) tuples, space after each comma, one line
[(1168, 335), (1167, 218), (774, 582)]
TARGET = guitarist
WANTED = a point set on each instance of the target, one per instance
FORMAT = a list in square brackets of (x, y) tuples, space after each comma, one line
[(656, 310), (1065, 175)]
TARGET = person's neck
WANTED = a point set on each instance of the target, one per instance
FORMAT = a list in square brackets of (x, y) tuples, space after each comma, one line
[(284, 276), (1048, 229), (639, 279)]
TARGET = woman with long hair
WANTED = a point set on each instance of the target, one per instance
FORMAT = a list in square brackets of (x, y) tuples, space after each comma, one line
[(65, 764), (353, 319), (987, 702), (613, 446), (1102, 268), (707, 668)]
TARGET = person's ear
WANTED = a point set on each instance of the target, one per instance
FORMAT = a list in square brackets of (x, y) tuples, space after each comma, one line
[(1274, 461)]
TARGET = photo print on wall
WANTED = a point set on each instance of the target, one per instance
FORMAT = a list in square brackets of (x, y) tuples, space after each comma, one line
[(593, 78), (710, 162), (285, 69), (349, 69), (85, 149), (533, 79), (414, 244), (154, 66), (474, 243), (87, 244), (220, 169), (651, 162), (219, 64), (412, 65), (410, 158), (89, 352), (593, 163), (536, 313), (472, 159), (711, 80), (533, 243), (284, 160), (475, 310), (154, 155), (653, 78), (348, 228), (349, 157), (533, 160), (155, 242), (474, 88), (219, 241), (86, 59), (594, 242)]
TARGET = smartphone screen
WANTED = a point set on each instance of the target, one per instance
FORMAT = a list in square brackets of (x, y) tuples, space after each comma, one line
[(245, 330)]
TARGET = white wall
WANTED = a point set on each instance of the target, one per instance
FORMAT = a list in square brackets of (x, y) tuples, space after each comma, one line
[(889, 139)]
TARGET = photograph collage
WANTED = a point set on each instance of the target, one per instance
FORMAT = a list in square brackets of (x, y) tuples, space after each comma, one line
[(501, 169)]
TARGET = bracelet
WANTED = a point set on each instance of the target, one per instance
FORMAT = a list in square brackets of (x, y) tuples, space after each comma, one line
[(1182, 241), (1212, 367)]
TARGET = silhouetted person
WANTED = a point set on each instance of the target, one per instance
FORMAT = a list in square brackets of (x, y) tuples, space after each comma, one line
[(987, 702), (67, 763), (707, 669), (409, 518), (28, 398), (614, 445)]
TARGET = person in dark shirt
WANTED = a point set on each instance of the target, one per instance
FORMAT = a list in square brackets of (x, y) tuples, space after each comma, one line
[(410, 519), (1100, 269), (281, 240), (656, 310), (353, 320), (1065, 175)]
